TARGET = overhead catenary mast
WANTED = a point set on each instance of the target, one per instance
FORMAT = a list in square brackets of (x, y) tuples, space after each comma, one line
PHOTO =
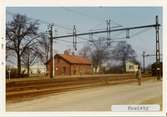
[(51, 49)]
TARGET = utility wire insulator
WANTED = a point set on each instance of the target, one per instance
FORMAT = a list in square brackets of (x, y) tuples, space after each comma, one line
[(91, 37), (108, 22), (127, 34), (74, 38)]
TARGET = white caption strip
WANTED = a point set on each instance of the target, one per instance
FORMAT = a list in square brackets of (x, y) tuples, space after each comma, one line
[(135, 108)]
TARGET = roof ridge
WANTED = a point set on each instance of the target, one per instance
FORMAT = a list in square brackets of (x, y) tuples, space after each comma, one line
[(75, 59)]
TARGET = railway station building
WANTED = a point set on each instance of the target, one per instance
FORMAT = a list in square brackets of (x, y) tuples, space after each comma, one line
[(66, 64)]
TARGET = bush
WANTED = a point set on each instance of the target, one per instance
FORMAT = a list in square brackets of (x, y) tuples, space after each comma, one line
[(114, 69)]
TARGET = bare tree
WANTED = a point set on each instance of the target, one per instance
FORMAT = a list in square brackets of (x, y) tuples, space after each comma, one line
[(98, 52), (44, 48), (30, 57), (10, 58), (20, 34), (85, 51), (68, 52), (123, 52)]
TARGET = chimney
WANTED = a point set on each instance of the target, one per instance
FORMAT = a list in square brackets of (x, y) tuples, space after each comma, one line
[(66, 52), (73, 53)]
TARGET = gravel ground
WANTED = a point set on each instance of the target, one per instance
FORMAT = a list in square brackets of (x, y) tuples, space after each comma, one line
[(94, 99)]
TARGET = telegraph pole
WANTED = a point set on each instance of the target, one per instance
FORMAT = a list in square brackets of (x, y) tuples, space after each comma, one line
[(143, 61), (157, 49), (145, 56), (51, 49), (108, 22), (74, 38)]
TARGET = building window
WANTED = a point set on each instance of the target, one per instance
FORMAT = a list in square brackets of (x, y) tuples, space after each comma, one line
[(131, 67), (74, 72), (64, 70), (58, 60)]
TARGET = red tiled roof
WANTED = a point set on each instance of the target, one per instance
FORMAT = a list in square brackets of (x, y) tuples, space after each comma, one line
[(75, 59)]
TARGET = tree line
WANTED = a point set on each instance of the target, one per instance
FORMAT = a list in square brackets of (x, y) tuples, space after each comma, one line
[(101, 54)]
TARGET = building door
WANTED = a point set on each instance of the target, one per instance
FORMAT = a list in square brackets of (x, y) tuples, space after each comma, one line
[(64, 70), (74, 73)]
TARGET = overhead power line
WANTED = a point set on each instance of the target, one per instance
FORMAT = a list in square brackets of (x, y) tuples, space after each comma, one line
[(81, 14), (41, 21), (14, 14), (140, 32), (67, 41), (90, 17)]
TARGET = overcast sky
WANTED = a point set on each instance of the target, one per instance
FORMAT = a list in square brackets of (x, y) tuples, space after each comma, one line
[(91, 18)]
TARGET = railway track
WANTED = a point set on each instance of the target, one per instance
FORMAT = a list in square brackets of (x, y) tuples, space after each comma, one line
[(23, 90)]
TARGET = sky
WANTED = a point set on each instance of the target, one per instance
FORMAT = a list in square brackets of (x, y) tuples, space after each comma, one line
[(94, 18)]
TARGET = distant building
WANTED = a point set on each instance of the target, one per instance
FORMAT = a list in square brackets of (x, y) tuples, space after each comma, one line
[(155, 67), (35, 69), (66, 64), (131, 66)]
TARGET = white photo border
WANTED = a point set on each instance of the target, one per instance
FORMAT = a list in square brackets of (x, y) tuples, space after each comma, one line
[(79, 3)]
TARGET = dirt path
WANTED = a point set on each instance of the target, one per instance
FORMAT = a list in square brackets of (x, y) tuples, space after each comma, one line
[(94, 99)]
